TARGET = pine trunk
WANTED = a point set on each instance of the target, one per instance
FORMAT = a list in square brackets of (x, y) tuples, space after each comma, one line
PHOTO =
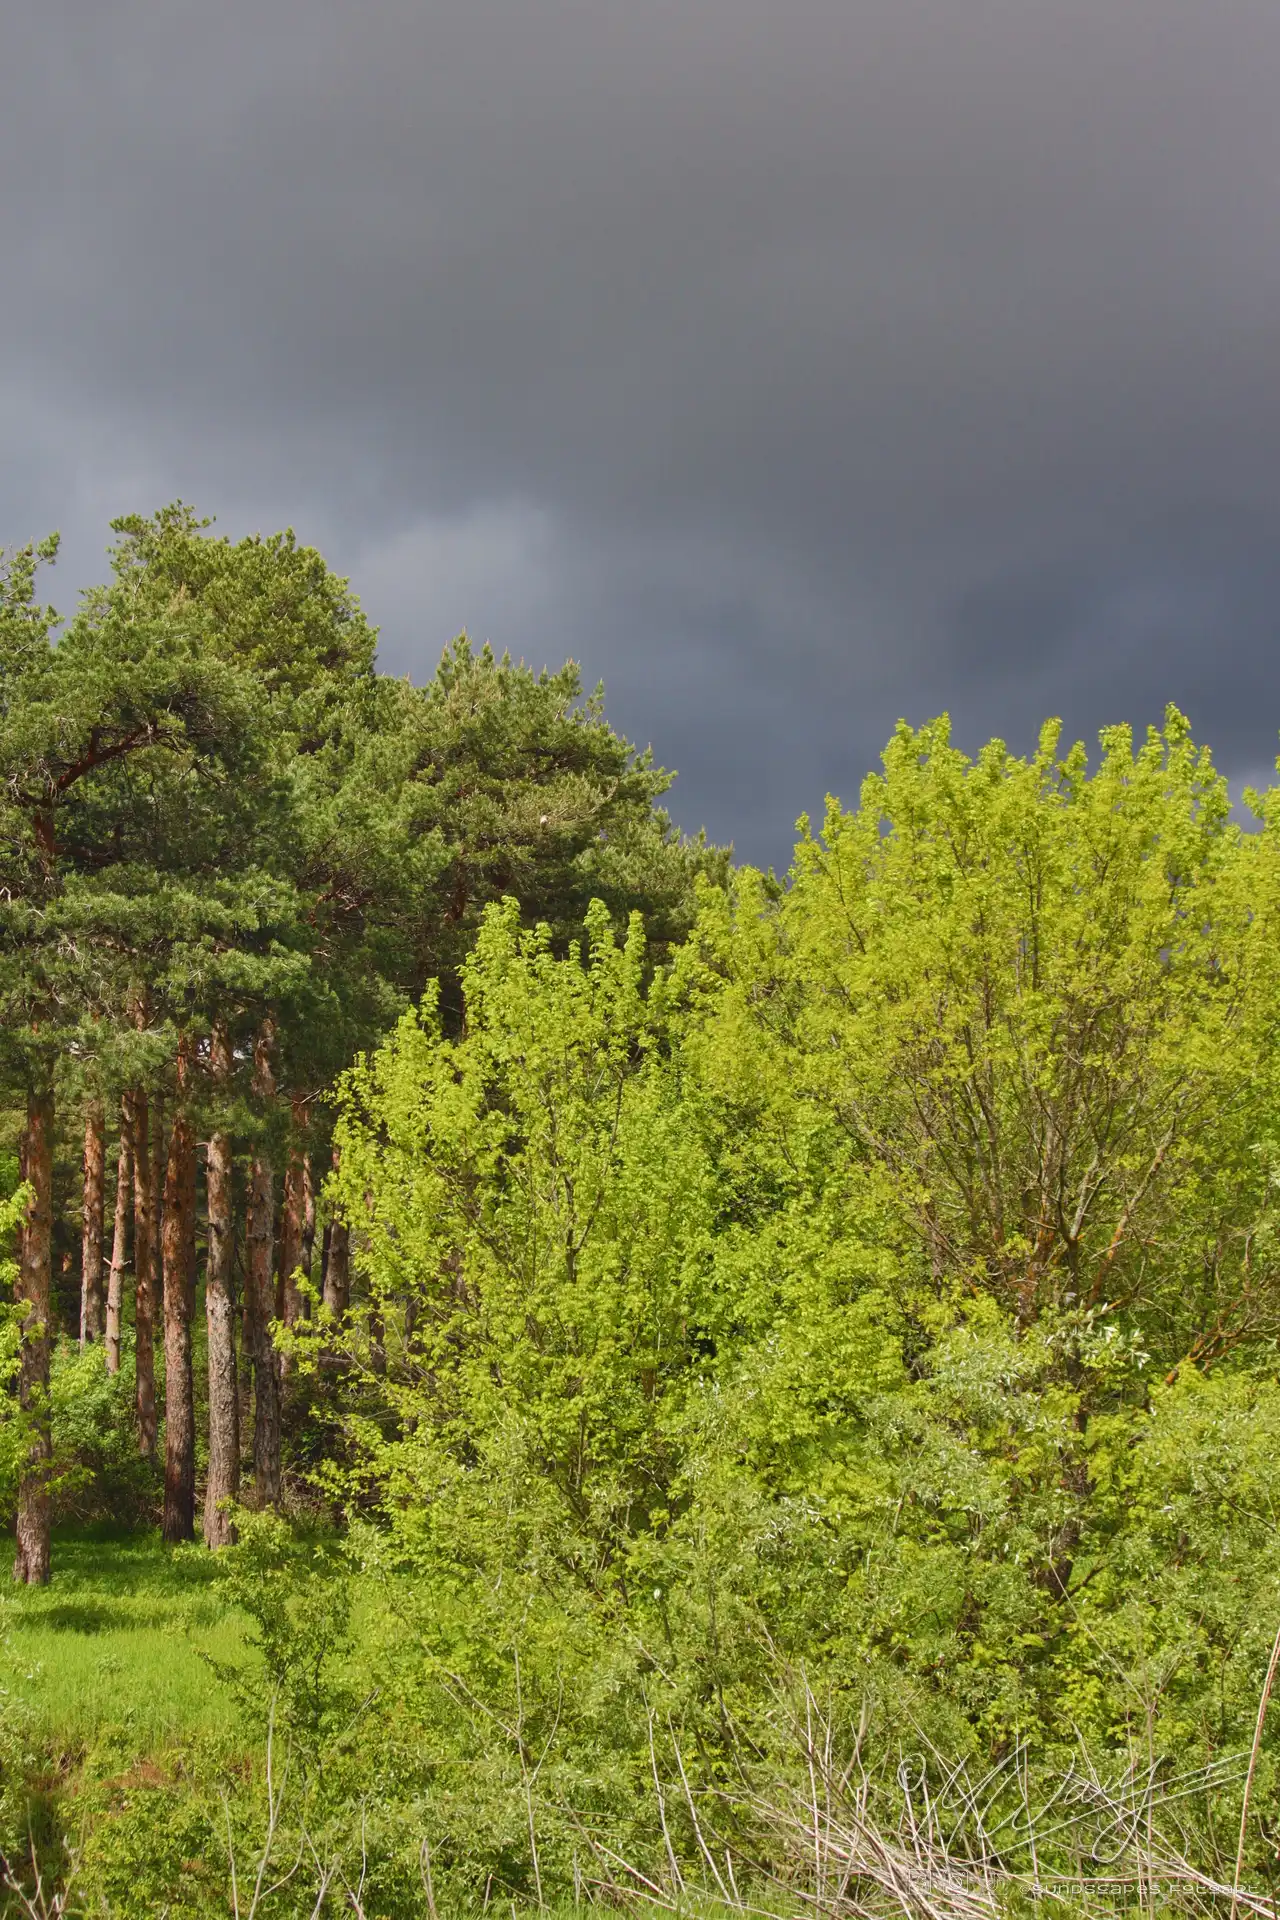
[(297, 1233), (223, 1484), (291, 1211), (144, 1318), (307, 1254), (92, 1302), (261, 1295), (337, 1269), (35, 1277), (179, 1237), (119, 1246), (266, 1375), (159, 1158)]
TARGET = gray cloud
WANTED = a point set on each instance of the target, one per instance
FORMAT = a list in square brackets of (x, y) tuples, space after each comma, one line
[(792, 367)]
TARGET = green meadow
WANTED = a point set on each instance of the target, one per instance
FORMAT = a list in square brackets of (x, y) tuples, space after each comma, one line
[(119, 1647)]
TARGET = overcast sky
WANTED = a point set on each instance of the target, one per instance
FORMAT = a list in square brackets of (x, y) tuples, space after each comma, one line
[(792, 366)]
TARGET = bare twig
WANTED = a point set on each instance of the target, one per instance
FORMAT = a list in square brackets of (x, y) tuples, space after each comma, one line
[(1267, 1685)]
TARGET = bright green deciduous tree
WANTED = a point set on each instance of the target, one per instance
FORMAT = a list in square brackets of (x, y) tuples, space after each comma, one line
[(812, 1302), (1040, 1002), (535, 1205)]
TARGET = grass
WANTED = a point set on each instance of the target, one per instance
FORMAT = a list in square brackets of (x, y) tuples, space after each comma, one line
[(115, 1643), (106, 1670)]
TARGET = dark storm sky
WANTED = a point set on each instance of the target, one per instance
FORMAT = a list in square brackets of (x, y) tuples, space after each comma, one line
[(793, 366)]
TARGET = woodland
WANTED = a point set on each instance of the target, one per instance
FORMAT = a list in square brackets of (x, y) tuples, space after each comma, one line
[(546, 1369)]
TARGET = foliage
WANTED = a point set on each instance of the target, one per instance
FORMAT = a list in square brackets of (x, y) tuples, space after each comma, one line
[(812, 1301), (14, 1428), (299, 1606), (812, 1347), (98, 1473)]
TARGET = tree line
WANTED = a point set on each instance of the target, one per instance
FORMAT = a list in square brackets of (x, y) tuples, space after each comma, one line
[(716, 1325), (231, 850), (825, 1361), (853, 1337)]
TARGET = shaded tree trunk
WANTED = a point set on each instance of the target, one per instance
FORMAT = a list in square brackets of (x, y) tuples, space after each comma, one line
[(92, 1298), (179, 1238), (159, 1159), (260, 1278), (248, 1339), (119, 1244), (292, 1207), (307, 1254), (223, 1483), (144, 1317), (337, 1268), (34, 1290)]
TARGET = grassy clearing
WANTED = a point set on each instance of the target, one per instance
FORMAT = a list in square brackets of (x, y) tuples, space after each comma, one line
[(115, 1645)]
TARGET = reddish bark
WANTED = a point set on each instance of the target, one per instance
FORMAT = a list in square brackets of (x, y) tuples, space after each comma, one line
[(92, 1293), (260, 1290), (34, 1289), (179, 1240), (337, 1269), (119, 1245), (308, 1218), (336, 1292), (159, 1156), (46, 833), (144, 1212), (292, 1209), (222, 1485)]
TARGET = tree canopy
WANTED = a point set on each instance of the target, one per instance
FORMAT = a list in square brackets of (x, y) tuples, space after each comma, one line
[(693, 1365)]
